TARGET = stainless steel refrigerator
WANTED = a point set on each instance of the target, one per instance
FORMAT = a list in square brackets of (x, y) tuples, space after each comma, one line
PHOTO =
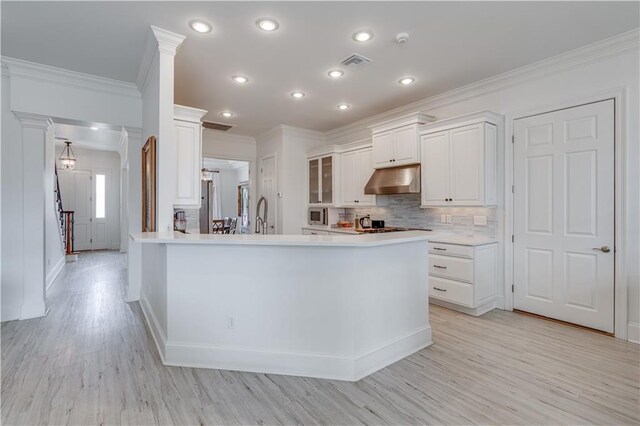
[(206, 203)]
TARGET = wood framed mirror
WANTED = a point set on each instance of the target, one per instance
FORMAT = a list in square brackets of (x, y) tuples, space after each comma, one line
[(149, 185)]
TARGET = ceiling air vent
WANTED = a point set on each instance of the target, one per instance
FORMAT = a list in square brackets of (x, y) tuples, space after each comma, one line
[(216, 126), (356, 60)]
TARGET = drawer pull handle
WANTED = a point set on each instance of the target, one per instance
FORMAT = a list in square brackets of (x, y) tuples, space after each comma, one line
[(440, 289), (439, 267), (439, 248)]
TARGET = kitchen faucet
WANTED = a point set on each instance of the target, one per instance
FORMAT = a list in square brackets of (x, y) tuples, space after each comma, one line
[(261, 222)]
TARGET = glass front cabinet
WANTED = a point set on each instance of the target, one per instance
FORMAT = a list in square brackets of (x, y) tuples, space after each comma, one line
[(322, 180)]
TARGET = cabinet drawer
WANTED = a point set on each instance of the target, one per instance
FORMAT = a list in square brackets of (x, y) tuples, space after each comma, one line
[(451, 291), (313, 232), (450, 250), (451, 267)]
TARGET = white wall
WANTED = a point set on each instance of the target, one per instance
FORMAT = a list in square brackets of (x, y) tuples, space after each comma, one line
[(12, 199), (603, 67), (97, 161), (49, 92), (229, 192), (54, 253)]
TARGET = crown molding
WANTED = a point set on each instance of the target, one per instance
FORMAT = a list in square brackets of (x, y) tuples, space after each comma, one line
[(613, 46), (161, 41), (229, 137), (301, 132), (34, 121), (185, 113), (18, 68), (405, 120)]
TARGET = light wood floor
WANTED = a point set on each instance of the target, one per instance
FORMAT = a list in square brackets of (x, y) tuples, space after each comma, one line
[(92, 361)]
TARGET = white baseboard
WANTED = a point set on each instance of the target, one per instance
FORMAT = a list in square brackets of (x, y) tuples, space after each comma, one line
[(156, 332), (324, 366), (476, 312), (51, 277), (633, 332), (33, 310), (11, 313)]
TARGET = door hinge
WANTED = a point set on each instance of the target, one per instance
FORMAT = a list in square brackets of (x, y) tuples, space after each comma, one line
[(90, 240), (513, 138), (513, 239), (512, 189), (90, 219), (513, 288)]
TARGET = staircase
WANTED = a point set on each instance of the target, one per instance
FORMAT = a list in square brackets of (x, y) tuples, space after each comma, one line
[(65, 221)]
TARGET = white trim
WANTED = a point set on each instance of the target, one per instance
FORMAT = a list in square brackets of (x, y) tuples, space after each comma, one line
[(259, 187), (158, 41), (185, 113), (619, 95), (554, 65), (154, 327), (53, 274), (324, 366), (61, 76), (461, 121), (633, 332), (405, 120)]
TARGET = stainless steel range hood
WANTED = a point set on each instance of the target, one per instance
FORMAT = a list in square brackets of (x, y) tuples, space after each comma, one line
[(395, 180)]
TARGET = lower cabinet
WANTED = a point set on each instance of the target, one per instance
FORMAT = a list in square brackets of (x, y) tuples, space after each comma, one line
[(463, 277)]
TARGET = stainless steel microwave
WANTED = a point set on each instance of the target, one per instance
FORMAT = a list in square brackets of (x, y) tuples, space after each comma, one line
[(318, 216)]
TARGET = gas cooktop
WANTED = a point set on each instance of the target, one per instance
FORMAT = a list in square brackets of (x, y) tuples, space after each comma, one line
[(389, 229)]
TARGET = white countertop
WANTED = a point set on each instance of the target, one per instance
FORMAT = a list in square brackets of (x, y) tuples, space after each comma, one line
[(461, 239), (355, 240), (327, 228)]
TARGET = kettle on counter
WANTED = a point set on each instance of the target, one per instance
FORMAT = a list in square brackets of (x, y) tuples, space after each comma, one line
[(362, 222)]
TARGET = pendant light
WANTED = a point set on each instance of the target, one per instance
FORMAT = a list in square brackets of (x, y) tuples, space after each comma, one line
[(67, 158)]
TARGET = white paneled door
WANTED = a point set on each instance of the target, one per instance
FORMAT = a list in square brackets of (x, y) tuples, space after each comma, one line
[(563, 215), (268, 189), (87, 197)]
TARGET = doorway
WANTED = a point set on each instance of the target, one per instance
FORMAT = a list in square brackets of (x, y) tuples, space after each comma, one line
[(564, 200), (223, 196), (85, 193)]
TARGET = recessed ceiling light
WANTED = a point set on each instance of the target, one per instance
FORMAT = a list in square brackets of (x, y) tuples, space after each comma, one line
[(94, 128), (342, 107), (363, 35), (297, 94), (336, 73), (267, 24), (406, 80), (200, 26), (226, 114), (240, 79)]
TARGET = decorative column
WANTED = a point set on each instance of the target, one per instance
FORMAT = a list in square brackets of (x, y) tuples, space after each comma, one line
[(156, 80), (34, 133)]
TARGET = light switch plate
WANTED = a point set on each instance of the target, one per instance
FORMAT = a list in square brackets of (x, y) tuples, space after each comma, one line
[(443, 218), (480, 220)]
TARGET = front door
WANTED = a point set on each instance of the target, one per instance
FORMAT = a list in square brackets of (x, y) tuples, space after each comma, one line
[(75, 189), (563, 215), (268, 189)]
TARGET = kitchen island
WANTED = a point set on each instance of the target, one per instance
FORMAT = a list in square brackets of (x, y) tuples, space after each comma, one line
[(335, 306)]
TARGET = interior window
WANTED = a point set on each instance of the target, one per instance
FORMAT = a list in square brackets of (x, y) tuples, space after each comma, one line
[(100, 196)]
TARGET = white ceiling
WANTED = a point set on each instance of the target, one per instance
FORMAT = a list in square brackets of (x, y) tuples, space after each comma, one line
[(103, 139), (452, 44)]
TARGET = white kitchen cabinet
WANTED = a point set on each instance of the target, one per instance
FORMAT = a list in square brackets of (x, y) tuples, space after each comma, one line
[(463, 277), (459, 162), (188, 156), (357, 168), (397, 142), (322, 179)]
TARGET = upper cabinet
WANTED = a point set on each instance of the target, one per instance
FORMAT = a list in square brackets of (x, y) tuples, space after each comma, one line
[(188, 155), (322, 179), (459, 161), (357, 167), (397, 142)]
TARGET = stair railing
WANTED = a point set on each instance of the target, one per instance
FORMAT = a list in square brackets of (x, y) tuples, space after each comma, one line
[(66, 218)]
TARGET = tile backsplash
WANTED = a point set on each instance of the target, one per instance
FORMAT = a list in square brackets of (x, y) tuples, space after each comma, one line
[(405, 211), (192, 216)]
